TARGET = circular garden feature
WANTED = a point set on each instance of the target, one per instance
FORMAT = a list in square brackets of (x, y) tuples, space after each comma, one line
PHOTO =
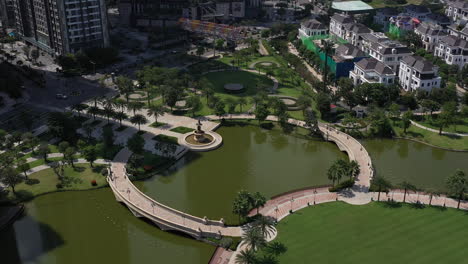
[(234, 87)]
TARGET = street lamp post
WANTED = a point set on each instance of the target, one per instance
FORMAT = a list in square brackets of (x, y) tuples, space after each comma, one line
[(292, 201)]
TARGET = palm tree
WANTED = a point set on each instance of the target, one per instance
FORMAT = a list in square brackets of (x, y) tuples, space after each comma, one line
[(138, 119), (432, 193), (258, 200), (135, 106), (125, 86), (156, 111), (93, 110), (381, 183), (265, 224), (354, 169), (254, 239), (108, 106), (120, 116), (407, 187), (327, 48), (333, 173), (79, 108), (276, 248), (246, 257)]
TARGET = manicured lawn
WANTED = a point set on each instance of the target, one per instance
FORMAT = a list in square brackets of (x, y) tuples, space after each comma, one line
[(182, 129), (249, 80), (374, 233), (75, 179), (157, 124), (443, 141)]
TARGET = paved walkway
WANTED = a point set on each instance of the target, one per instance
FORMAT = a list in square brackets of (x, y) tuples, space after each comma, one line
[(437, 131)]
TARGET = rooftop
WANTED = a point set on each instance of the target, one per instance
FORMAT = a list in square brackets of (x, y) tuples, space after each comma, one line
[(350, 6), (454, 41), (419, 63), (371, 64), (348, 51), (313, 24)]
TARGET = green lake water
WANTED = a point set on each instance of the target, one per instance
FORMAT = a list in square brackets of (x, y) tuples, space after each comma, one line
[(91, 227), (253, 159), (422, 165)]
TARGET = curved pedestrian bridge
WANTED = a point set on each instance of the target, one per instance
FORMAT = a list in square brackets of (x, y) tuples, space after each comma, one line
[(163, 216), (168, 218)]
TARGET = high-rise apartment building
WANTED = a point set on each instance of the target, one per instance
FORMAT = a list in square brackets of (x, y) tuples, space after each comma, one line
[(62, 26)]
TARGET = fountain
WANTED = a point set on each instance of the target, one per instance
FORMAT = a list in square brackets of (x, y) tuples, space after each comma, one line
[(200, 140)]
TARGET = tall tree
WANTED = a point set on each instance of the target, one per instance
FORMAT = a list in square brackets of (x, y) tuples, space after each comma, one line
[(10, 177), (406, 119), (136, 144), (125, 86), (23, 166), (258, 200), (265, 224), (90, 154), (457, 185)]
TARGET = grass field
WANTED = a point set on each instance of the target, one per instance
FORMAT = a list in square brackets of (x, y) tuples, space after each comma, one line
[(443, 141), (75, 179), (375, 233)]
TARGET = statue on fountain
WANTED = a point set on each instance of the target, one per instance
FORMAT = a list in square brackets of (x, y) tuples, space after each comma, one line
[(199, 133)]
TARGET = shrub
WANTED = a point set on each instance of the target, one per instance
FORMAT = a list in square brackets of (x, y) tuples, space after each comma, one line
[(342, 185), (225, 242), (59, 186), (32, 181), (93, 183)]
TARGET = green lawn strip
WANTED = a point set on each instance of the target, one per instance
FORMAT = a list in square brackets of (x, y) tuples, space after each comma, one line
[(165, 138), (75, 179), (364, 234), (182, 130), (432, 138), (157, 124)]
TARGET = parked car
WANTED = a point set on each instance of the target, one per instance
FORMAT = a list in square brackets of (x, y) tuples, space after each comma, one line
[(61, 96)]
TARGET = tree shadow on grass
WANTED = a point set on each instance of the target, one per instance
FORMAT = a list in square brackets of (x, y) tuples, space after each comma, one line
[(79, 168), (417, 205), (97, 168), (413, 134), (392, 204), (24, 195)]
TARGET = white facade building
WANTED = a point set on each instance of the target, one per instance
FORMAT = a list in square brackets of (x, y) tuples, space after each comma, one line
[(457, 10), (370, 70), (387, 51), (453, 50), (430, 35), (338, 23), (311, 28), (417, 73)]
